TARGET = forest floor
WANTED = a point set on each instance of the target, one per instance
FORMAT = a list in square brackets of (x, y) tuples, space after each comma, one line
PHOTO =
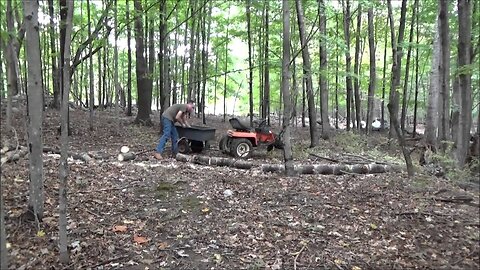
[(149, 214)]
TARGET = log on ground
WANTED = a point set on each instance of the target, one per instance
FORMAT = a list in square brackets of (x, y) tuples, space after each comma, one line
[(126, 156), (335, 169), (217, 161)]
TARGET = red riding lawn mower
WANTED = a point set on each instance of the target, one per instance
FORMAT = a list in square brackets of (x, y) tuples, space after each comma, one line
[(240, 141)]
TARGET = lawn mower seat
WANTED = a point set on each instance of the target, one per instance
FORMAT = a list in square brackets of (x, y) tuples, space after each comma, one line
[(239, 125)]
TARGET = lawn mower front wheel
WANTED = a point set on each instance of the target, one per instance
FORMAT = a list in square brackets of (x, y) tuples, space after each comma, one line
[(241, 148)]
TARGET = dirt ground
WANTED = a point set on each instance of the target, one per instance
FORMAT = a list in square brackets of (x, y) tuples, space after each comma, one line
[(149, 214)]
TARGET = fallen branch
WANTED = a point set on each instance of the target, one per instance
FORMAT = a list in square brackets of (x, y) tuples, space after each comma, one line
[(325, 158), (296, 257)]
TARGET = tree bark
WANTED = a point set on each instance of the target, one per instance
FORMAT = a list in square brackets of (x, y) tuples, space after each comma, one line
[(444, 101), (407, 68), (397, 58), (464, 77), (62, 223), (250, 56), (307, 71), (144, 82), (432, 118), (35, 108), (129, 57), (55, 73), (356, 68), (266, 68), (373, 74), (91, 103), (323, 71), (348, 60), (285, 87)]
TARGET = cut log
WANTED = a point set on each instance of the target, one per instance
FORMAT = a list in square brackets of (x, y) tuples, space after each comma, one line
[(336, 169), (217, 161), (82, 156), (124, 149), (126, 156), (14, 155)]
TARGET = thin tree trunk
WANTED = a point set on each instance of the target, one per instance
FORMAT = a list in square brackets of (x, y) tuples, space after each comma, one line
[(266, 68), (35, 109), (407, 68), (348, 59), (336, 71), (129, 56), (307, 71), (432, 118), (226, 70), (91, 103), (373, 74), (464, 100), (384, 79), (356, 67), (397, 57), (444, 117), (250, 64), (287, 152), (323, 72), (144, 82), (192, 54), (56, 86), (415, 106), (62, 219)]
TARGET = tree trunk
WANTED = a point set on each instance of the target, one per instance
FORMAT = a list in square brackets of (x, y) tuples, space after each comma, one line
[(384, 80), (250, 64), (144, 82), (407, 68), (307, 71), (397, 58), (373, 74), (336, 71), (356, 68), (444, 113), (191, 59), (91, 103), (287, 151), (3, 234), (464, 97), (55, 73), (62, 219), (129, 56), (432, 118), (415, 107), (323, 72), (226, 70), (35, 109), (266, 68), (348, 59)]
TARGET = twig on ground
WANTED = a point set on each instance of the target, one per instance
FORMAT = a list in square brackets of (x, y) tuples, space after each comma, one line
[(109, 261), (297, 255), (325, 158)]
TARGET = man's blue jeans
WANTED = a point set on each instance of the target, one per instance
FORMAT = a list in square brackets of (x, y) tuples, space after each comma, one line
[(169, 132)]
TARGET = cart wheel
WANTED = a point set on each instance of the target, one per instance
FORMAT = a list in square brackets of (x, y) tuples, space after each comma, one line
[(196, 146), (224, 144), (183, 146), (241, 148)]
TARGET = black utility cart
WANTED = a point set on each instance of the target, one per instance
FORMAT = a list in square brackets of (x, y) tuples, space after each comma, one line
[(194, 138)]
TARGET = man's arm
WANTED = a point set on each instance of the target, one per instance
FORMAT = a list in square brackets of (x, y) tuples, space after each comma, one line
[(180, 117)]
